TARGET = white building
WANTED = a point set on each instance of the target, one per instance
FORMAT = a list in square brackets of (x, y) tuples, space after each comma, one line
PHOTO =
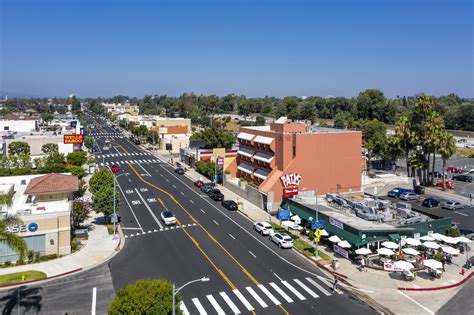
[(37, 140), (20, 125)]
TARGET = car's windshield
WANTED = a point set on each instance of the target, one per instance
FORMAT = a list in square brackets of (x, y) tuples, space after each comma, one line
[(168, 214)]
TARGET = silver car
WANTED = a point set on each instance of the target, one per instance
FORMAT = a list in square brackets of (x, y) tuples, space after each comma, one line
[(409, 196), (283, 240), (264, 228), (452, 205)]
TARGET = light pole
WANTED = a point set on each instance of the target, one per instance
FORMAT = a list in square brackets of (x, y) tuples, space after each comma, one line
[(115, 184), (203, 279)]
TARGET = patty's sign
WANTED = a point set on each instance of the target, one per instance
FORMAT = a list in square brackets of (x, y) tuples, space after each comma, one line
[(290, 184)]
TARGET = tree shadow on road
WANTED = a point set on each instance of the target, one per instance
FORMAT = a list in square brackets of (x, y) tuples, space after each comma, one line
[(29, 299)]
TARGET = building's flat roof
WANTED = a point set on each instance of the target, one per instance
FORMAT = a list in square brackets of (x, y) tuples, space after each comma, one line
[(314, 129)]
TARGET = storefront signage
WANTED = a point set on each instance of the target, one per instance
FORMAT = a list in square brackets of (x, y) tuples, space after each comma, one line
[(341, 251), (74, 123), (220, 161), (336, 223), (32, 227), (73, 139), (290, 184), (391, 267)]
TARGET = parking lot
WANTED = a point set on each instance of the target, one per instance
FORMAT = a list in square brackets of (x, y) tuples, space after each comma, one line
[(464, 163)]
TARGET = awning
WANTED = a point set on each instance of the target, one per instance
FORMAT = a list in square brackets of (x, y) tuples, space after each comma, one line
[(246, 152), (261, 173), (245, 136), (394, 237), (263, 157), (245, 168), (262, 139)]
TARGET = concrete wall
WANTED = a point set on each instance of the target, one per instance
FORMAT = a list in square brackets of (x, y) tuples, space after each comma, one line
[(249, 193)]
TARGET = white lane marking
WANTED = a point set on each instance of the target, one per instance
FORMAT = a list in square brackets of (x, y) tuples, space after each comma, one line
[(281, 292), (174, 186), (182, 193), (130, 228), (278, 277), (160, 174), (94, 299), (183, 308), (270, 296), (305, 287), (329, 284), (252, 254), (198, 304), (292, 289), (144, 170), (243, 300), (462, 214), (202, 211), (318, 286), (417, 303), (230, 303), (232, 236), (216, 305), (190, 200), (257, 297), (215, 222), (149, 209), (167, 180), (136, 219)]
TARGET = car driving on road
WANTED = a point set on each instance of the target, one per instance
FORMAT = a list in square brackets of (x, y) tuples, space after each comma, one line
[(168, 218), (463, 178), (264, 228), (283, 240), (229, 204), (114, 168), (452, 205)]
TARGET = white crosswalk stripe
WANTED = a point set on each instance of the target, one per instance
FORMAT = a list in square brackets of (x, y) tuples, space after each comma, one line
[(216, 305), (229, 302), (256, 297), (198, 305), (305, 287), (183, 308), (329, 284), (318, 286), (243, 300), (281, 292), (293, 290), (270, 296)]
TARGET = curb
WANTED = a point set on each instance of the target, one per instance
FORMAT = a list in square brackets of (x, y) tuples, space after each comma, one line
[(442, 287), (44, 279)]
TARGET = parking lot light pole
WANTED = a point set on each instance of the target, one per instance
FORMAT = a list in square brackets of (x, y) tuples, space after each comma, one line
[(115, 188), (203, 279)]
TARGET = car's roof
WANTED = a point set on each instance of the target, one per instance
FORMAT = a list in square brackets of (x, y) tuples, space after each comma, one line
[(265, 223)]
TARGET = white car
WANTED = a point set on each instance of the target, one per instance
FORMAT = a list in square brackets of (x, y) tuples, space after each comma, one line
[(471, 171), (283, 240), (168, 218), (264, 228)]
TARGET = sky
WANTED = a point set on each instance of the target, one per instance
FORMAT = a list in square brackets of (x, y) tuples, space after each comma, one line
[(251, 47)]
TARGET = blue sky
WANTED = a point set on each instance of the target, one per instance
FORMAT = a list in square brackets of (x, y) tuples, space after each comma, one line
[(256, 48)]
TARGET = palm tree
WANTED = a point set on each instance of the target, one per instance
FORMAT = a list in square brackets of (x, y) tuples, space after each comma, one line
[(447, 148), (406, 136), (434, 125), (14, 241)]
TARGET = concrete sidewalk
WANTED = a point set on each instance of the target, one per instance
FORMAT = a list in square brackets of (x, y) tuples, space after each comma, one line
[(99, 247)]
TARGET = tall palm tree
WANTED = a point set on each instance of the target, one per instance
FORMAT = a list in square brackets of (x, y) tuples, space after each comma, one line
[(405, 135), (13, 240), (434, 125), (447, 148)]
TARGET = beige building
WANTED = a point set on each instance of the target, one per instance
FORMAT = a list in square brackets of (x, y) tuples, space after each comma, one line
[(43, 202)]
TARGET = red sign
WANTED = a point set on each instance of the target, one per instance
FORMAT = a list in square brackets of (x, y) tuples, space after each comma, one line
[(288, 192), (73, 139), (220, 161), (290, 184)]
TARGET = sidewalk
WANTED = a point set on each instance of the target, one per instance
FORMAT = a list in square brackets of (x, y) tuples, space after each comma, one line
[(99, 247)]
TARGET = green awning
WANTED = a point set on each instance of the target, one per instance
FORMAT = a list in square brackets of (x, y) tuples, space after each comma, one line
[(394, 237)]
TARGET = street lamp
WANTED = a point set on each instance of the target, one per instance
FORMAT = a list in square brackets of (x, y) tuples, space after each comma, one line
[(203, 279), (115, 184)]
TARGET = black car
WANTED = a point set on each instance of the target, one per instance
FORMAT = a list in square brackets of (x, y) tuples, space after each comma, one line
[(206, 188), (229, 204), (216, 195), (179, 170), (436, 174), (430, 203), (420, 190), (463, 178)]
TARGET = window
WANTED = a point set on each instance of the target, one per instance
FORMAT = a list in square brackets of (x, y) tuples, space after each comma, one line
[(294, 151), (6, 128)]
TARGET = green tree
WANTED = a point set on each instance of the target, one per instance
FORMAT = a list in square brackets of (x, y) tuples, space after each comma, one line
[(80, 211), (215, 138), (53, 163), (260, 121), (49, 148), (244, 109), (78, 171), (77, 158), (24, 160), (18, 147), (101, 178), (340, 121), (447, 148), (14, 241), (434, 126), (406, 137), (47, 117), (88, 142), (145, 297), (103, 201)]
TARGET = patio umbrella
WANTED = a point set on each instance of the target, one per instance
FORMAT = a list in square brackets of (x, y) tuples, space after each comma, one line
[(390, 245), (411, 251), (405, 265), (344, 244), (413, 241), (450, 250), (450, 240), (431, 245), (324, 232), (431, 263), (427, 238), (363, 251), (463, 239), (334, 239), (438, 237), (385, 252)]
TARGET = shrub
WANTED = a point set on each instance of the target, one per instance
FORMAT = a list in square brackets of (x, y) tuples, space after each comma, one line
[(20, 262), (7, 263), (31, 256), (438, 256), (454, 232)]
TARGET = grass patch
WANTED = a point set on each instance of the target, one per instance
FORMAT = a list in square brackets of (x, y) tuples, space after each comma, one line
[(110, 228), (21, 277), (466, 151)]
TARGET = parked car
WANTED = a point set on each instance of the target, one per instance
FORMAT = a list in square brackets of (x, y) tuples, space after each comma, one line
[(463, 178), (454, 169), (420, 190), (198, 183), (207, 187), (452, 205), (229, 204), (179, 170), (114, 168), (396, 192), (264, 228), (447, 184), (467, 233), (283, 240), (409, 196), (436, 174), (469, 146), (430, 203), (168, 218), (471, 171), (216, 195)]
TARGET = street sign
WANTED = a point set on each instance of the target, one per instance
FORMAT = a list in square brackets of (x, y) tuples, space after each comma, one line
[(317, 238), (317, 224), (220, 160), (318, 233)]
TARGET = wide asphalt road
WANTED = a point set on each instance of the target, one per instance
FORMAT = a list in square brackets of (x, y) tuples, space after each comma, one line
[(247, 272)]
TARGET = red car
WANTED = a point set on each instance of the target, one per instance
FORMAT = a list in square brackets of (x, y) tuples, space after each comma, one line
[(115, 168), (448, 184), (198, 183), (454, 169)]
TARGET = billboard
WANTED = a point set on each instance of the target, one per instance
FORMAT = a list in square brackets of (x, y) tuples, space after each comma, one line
[(73, 139), (290, 183)]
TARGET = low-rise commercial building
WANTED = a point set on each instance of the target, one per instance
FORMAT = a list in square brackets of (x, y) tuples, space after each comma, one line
[(23, 124), (43, 202), (37, 140)]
